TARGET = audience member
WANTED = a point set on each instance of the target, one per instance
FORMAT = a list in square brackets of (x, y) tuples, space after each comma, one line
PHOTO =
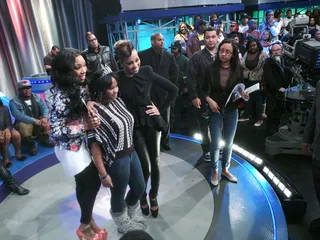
[(252, 64), (180, 112), (98, 56), (244, 23), (182, 36), (48, 58), (8, 135), (271, 25), (196, 39), (31, 117), (164, 64), (252, 31), (265, 41)]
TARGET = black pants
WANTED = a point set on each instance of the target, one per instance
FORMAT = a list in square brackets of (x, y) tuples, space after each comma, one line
[(274, 108), (203, 123), (254, 105), (147, 145), (87, 187), (165, 136), (316, 177)]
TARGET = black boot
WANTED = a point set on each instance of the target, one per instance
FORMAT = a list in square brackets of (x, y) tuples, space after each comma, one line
[(31, 145), (45, 140), (10, 183)]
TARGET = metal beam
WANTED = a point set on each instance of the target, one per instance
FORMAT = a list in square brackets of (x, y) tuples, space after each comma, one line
[(290, 4), (172, 12)]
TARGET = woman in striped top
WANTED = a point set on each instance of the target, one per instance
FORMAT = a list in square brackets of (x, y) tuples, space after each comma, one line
[(111, 146)]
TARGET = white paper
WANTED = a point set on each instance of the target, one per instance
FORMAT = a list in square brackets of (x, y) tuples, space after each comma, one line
[(253, 88), (235, 92)]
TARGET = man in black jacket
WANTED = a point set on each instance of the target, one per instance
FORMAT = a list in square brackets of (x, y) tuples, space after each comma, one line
[(196, 74), (164, 64), (311, 136), (98, 56), (276, 79)]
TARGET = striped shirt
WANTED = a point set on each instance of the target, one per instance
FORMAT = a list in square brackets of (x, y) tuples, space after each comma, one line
[(115, 133)]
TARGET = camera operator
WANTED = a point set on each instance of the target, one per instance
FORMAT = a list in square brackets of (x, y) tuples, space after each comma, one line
[(276, 79)]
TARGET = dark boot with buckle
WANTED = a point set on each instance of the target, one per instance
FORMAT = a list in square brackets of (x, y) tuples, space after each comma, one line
[(45, 140), (31, 145), (10, 183)]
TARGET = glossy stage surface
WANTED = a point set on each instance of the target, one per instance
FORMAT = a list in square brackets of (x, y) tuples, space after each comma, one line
[(189, 207)]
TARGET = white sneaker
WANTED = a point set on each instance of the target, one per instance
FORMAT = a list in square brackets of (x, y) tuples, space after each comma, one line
[(243, 119), (207, 157), (258, 123)]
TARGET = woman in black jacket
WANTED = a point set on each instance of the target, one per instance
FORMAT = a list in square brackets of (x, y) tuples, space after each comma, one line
[(134, 85), (220, 79)]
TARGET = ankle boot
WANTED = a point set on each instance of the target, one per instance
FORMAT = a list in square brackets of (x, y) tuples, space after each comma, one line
[(134, 215), (10, 183), (124, 223), (31, 145), (45, 140)]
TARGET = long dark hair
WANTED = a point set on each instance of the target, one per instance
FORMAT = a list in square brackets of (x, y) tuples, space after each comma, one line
[(234, 62), (64, 78), (99, 83)]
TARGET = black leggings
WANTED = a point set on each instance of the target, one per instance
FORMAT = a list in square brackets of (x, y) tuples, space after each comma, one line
[(87, 187), (147, 145)]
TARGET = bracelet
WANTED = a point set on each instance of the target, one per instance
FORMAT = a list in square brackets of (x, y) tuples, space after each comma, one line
[(102, 178)]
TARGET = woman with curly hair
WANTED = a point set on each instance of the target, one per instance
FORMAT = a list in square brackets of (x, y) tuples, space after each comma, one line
[(69, 121)]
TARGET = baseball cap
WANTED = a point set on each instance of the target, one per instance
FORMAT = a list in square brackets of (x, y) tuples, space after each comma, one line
[(244, 16), (175, 44), (199, 23), (24, 83)]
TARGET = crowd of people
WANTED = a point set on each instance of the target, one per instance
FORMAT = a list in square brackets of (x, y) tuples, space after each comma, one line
[(108, 125)]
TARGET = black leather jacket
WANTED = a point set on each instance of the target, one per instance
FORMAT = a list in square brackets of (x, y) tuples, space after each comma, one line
[(100, 60)]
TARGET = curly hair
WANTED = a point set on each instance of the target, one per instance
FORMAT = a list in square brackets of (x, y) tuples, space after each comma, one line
[(99, 83), (64, 78)]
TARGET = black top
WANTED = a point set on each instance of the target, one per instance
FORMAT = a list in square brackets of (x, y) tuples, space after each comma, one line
[(275, 77), (196, 70), (163, 64), (212, 86), (252, 64), (135, 92), (5, 119)]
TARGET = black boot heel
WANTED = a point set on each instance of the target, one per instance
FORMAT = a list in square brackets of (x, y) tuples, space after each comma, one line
[(144, 206), (154, 203)]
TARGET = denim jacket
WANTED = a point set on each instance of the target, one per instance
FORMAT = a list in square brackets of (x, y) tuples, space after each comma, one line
[(19, 113), (67, 131)]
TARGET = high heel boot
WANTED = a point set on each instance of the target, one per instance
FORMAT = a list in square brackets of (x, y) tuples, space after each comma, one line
[(10, 183)]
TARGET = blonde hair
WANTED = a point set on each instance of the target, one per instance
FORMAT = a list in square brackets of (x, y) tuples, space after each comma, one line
[(123, 49), (88, 34)]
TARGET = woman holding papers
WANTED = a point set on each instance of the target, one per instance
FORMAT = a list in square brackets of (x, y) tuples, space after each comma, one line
[(220, 79), (252, 63)]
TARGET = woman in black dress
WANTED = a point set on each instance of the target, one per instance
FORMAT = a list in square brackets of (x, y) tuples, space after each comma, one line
[(134, 85)]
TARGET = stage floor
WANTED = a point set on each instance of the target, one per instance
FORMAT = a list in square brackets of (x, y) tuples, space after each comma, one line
[(189, 207)]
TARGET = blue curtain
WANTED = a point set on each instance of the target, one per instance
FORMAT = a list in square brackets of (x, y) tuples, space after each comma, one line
[(28, 30)]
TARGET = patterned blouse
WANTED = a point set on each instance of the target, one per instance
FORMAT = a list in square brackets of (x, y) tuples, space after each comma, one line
[(67, 131)]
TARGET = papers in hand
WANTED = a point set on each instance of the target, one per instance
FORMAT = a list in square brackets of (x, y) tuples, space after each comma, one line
[(235, 94)]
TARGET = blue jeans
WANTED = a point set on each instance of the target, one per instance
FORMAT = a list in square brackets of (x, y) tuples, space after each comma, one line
[(227, 120), (123, 172)]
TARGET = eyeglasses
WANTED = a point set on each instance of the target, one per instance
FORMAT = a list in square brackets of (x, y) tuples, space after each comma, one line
[(92, 40), (226, 52), (25, 88)]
